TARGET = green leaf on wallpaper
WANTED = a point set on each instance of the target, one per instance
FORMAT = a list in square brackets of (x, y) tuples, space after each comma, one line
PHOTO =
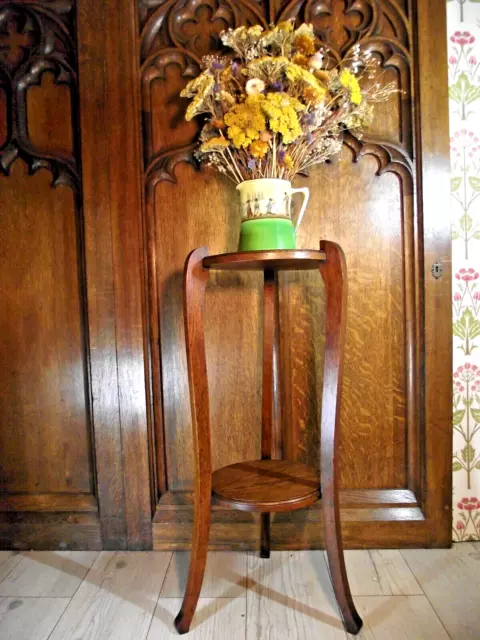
[(465, 222), (476, 235), (474, 183), (467, 327), (457, 466), (468, 453), (477, 466), (458, 417), (463, 91), (455, 183), (455, 235), (475, 414)]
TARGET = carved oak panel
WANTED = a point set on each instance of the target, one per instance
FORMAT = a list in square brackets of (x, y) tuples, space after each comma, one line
[(365, 200), (45, 442)]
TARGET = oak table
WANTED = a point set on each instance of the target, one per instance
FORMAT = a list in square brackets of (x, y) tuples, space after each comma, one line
[(267, 485)]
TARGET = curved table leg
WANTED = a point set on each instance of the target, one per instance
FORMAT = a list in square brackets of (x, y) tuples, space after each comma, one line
[(335, 277), (195, 281)]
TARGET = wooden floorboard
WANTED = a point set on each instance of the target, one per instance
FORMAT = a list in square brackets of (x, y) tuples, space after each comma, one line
[(289, 596), (394, 574), (48, 574), (221, 618), (224, 575), (8, 561), (407, 595), (450, 578), (30, 618), (398, 618), (117, 598)]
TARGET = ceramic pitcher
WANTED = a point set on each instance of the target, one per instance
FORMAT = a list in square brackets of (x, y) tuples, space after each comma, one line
[(266, 217)]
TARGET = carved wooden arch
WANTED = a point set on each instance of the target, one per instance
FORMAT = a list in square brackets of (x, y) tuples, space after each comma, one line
[(161, 46), (384, 27), (51, 50)]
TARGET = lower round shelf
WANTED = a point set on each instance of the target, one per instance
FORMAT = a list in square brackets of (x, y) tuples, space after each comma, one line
[(266, 485)]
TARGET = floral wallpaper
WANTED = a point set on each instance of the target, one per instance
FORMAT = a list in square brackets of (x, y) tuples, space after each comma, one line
[(464, 90)]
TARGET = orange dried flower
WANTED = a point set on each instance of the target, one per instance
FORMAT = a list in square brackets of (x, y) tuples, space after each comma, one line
[(305, 44), (301, 60), (218, 123), (321, 75), (310, 94)]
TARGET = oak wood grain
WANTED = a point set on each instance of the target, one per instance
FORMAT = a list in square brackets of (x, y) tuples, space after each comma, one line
[(278, 260), (195, 282), (43, 404), (114, 254), (434, 163), (42, 530), (266, 485)]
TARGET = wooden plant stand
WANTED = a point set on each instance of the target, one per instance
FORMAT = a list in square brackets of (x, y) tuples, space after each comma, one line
[(267, 485)]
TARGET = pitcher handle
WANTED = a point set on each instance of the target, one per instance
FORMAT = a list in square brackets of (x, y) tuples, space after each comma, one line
[(306, 195)]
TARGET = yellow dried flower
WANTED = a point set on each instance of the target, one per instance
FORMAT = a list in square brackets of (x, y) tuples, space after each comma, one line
[(255, 31), (245, 122), (227, 97), (295, 73), (258, 149), (305, 44), (349, 81), (281, 111), (200, 88), (226, 74), (286, 26), (288, 161)]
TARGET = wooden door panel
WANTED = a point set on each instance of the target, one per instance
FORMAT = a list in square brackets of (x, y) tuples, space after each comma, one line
[(48, 493), (101, 445), (45, 445), (374, 399), (369, 201)]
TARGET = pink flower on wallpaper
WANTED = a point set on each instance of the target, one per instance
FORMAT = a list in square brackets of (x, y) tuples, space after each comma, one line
[(467, 275), (469, 504), (466, 374), (462, 38)]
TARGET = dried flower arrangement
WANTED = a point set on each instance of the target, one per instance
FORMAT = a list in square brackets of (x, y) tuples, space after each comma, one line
[(273, 109)]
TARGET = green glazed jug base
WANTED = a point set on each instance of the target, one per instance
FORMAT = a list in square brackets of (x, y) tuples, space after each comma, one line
[(266, 234)]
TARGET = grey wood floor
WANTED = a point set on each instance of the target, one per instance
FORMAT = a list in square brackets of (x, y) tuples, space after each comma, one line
[(77, 595)]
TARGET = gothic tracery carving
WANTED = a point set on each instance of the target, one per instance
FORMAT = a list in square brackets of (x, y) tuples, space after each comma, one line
[(35, 38), (179, 32)]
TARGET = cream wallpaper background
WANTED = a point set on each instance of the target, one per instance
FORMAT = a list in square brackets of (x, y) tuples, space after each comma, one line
[(464, 90)]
